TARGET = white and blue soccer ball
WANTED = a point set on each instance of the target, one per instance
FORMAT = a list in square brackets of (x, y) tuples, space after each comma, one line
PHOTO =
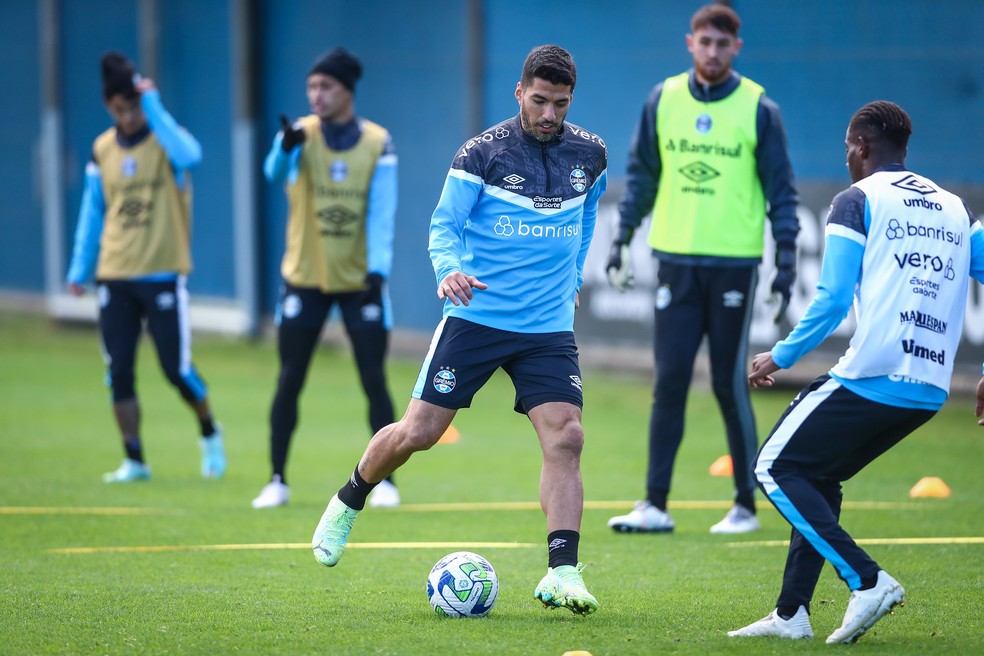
[(462, 584)]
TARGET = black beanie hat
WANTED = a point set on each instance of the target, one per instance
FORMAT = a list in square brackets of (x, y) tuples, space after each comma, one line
[(118, 75), (341, 65)]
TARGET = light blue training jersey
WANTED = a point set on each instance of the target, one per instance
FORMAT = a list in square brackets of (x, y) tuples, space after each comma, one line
[(519, 214)]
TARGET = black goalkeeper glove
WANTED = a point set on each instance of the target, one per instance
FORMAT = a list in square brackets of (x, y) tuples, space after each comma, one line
[(373, 295), (782, 280), (619, 267), (293, 136)]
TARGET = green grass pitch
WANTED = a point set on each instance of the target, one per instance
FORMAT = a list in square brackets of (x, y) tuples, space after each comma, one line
[(65, 590)]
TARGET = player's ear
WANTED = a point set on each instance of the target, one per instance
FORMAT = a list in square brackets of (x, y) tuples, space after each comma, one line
[(519, 92)]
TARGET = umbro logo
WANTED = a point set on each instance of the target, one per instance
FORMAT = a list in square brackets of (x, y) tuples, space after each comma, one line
[(699, 172), (514, 179), (911, 183)]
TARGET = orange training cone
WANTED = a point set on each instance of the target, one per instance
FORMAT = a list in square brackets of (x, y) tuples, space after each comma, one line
[(722, 467), (930, 486), (451, 436)]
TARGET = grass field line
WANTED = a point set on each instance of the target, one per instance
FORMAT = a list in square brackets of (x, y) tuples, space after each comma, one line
[(84, 510), (449, 507), (617, 505), (873, 541), (294, 545)]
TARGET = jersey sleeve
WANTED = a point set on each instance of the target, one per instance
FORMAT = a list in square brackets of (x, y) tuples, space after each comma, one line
[(589, 219), (183, 150), (279, 167), (85, 252), (840, 271), (460, 193), (775, 171), (643, 171), (381, 213)]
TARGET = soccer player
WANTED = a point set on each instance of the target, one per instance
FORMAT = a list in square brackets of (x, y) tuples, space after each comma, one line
[(708, 160), (902, 247), (134, 230), (339, 171), (508, 241)]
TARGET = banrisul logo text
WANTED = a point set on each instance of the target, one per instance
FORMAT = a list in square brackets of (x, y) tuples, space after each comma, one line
[(506, 227)]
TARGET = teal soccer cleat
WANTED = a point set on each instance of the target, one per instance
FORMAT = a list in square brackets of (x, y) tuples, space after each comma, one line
[(213, 455), (128, 472), (332, 532)]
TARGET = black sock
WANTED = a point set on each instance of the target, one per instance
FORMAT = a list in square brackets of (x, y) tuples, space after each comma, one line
[(134, 450), (562, 548), (786, 612), (208, 426), (746, 500), (354, 493), (657, 498)]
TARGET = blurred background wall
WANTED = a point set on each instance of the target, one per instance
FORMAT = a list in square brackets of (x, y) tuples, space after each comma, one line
[(436, 73)]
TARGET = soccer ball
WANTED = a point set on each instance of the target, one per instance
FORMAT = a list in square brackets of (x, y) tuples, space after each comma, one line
[(462, 584)]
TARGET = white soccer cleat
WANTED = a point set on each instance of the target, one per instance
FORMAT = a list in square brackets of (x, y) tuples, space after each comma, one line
[(867, 607), (738, 520), (384, 495), (796, 627), (644, 518), (272, 495)]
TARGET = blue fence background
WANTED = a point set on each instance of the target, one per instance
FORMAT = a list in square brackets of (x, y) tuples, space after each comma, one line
[(436, 72)]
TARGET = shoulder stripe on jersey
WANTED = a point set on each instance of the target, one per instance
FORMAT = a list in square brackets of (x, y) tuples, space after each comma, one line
[(466, 176), (843, 231)]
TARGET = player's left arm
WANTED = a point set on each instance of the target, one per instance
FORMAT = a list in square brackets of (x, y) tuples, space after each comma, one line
[(977, 273), (775, 171), (182, 149), (590, 218), (381, 213), (976, 247)]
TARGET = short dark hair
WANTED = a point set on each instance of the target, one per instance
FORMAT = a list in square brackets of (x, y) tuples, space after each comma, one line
[(720, 16), (883, 119), (550, 63)]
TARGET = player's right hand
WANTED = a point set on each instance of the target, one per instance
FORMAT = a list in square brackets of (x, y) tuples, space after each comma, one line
[(293, 136), (762, 369), (619, 267), (457, 287)]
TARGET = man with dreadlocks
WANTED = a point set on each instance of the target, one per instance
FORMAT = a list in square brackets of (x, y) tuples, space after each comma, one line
[(902, 248)]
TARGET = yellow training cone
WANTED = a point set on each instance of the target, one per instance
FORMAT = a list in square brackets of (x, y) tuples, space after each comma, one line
[(930, 486), (577, 652), (722, 467), (451, 436)]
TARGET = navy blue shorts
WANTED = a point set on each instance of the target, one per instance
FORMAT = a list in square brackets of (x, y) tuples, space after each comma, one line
[(463, 356)]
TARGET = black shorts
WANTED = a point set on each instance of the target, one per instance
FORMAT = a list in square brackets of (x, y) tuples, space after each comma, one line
[(463, 356), (310, 307)]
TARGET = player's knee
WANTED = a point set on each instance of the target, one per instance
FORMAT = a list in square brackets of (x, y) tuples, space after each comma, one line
[(416, 436), (123, 385), (568, 440)]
